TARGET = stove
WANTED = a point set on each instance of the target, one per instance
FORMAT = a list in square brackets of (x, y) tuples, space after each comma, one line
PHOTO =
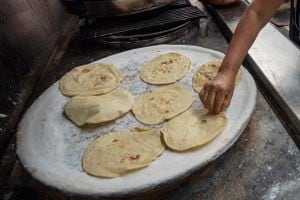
[(147, 28)]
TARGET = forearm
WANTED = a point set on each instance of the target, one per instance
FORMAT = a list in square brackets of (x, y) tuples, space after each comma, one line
[(256, 16)]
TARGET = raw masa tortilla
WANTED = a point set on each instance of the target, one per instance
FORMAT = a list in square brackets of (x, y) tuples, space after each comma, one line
[(207, 72), (97, 109), (117, 153), (91, 79), (193, 128), (162, 103), (166, 68)]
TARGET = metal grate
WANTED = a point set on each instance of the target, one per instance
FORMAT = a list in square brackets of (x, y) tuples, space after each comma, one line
[(165, 18)]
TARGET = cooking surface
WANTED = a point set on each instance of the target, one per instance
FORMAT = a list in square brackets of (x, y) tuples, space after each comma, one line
[(104, 27), (264, 162), (51, 147)]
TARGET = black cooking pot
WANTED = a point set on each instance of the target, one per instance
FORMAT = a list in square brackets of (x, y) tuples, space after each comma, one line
[(112, 7)]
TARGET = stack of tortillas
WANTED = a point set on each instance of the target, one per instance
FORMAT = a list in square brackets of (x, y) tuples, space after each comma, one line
[(97, 99)]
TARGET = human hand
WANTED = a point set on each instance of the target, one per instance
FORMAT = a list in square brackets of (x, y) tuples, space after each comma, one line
[(217, 93)]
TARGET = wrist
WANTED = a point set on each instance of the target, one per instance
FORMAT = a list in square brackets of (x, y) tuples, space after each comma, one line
[(229, 68), (227, 71)]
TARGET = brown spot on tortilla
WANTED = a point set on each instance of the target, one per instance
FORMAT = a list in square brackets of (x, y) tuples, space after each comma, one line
[(134, 157), (103, 78), (85, 70)]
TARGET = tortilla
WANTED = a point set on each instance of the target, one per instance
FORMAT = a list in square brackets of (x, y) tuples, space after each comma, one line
[(207, 72), (162, 103), (118, 153), (97, 109), (166, 68), (193, 128), (91, 79)]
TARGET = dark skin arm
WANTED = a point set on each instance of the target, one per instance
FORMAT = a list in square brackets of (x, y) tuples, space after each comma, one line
[(216, 94)]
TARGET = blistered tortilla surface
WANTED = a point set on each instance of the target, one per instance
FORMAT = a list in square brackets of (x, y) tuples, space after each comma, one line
[(165, 69), (193, 128), (97, 109), (207, 72), (90, 79), (162, 103), (117, 153)]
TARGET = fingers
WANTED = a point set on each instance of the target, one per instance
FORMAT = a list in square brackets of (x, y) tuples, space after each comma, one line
[(215, 98), (211, 100), (204, 94), (219, 101), (227, 101)]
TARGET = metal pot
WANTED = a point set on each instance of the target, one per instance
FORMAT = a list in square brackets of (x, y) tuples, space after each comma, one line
[(112, 7)]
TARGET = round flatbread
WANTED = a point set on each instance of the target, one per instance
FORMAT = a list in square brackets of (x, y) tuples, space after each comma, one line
[(97, 109), (207, 72), (91, 79), (118, 153), (162, 103), (166, 68), (193, 128)]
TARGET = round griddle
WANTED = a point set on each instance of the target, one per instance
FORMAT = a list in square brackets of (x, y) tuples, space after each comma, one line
[(113, 8), (50, 147)]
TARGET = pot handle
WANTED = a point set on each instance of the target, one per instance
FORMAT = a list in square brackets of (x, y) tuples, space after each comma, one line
[(75, 7)]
